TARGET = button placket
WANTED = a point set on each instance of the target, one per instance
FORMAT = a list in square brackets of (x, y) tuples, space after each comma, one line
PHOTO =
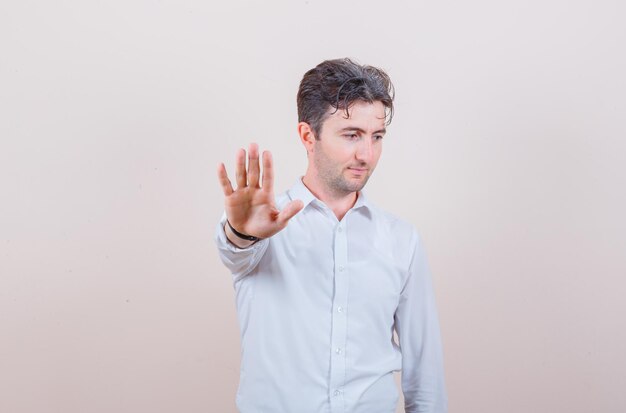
[(339, 319)]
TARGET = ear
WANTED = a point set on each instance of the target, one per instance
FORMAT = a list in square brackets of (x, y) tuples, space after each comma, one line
[(307, 137)]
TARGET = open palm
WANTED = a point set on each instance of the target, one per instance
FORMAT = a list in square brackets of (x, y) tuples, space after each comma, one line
[(250, 208)]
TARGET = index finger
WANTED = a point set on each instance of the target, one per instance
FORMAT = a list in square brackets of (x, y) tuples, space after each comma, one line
[(268, 172)]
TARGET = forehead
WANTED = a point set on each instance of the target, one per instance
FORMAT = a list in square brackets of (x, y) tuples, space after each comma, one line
[(366, 115)]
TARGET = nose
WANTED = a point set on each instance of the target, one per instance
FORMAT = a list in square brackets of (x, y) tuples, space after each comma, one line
[(364, 150)]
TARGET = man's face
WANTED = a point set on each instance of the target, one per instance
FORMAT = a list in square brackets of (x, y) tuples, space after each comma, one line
[(348, 149)]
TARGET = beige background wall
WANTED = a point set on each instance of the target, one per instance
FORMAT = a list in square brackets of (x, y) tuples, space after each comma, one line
[(507, 152)]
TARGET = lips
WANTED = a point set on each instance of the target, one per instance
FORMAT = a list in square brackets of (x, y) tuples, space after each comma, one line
[(358, 170)]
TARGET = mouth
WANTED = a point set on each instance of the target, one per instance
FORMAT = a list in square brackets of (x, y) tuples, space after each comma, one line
[(358, 171)]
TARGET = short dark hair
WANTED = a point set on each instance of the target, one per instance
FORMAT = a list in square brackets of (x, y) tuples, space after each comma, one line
[(339, 83)]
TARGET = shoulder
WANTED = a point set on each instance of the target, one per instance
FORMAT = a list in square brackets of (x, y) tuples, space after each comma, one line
[(390, 219), (403, 231), (282, 199)]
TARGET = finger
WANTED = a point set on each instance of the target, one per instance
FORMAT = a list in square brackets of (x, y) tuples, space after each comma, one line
[(268, 172), (222, 177), (240, 168), (289, 211), (253, 166)]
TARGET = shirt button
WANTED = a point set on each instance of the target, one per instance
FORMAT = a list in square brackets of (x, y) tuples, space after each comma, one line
[(341, 267), (340, 309), (337, 393), (340, 229), (338, 351)]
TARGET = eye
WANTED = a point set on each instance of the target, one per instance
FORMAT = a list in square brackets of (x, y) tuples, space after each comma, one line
[(351, 136), (378, 137)]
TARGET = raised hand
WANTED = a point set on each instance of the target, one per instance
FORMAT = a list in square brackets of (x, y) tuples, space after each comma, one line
[(250, 208)]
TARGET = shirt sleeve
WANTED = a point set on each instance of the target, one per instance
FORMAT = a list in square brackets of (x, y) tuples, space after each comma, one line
[(417, 326), (240, 261)]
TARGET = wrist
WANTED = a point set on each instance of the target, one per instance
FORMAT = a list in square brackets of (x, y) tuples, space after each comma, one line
[(235, 240), (240, 235)]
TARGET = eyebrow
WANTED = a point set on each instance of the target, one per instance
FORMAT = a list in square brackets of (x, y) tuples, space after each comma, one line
[(354, 128)]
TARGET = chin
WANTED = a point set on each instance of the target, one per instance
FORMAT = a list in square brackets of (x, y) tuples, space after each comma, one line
[(356, 186)]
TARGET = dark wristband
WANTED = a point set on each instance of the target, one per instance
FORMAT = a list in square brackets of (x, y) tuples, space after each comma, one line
[(240, 235)]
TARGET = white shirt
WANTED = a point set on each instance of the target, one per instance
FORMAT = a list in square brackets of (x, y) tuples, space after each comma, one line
[(317, 304)]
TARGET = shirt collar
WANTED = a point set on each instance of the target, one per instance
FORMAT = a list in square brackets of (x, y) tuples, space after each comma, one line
[(301, 192)]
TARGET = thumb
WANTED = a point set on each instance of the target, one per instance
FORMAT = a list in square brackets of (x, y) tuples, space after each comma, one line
[(289, 211)]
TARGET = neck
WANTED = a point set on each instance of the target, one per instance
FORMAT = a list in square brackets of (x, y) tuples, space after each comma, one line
[(339, 203)]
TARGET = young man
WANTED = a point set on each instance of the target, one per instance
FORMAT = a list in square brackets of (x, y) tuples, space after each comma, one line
[(322, 276)]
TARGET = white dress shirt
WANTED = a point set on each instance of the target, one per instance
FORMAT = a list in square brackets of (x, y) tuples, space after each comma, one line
[(317, 304)]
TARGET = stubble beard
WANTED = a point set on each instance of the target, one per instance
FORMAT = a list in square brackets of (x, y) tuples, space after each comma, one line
[(332, 175)]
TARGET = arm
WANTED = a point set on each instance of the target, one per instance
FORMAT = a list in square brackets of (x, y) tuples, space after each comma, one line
[(251, 210), (418, 331), (239, 259)]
